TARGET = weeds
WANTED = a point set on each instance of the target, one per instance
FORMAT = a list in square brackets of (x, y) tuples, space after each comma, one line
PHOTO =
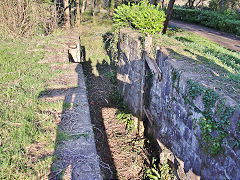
[(158, 171)]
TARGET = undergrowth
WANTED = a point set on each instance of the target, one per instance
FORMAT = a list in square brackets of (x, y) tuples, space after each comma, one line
[(158, 171), (123, 113)]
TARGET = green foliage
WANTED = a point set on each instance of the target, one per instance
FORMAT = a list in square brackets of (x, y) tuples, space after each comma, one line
[(214, 126), (194, 89), (125, 117), (123, 114), (156, 172), (144, 17), (226, 23)]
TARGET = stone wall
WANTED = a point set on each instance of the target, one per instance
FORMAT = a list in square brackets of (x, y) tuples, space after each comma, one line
[(196, 127)]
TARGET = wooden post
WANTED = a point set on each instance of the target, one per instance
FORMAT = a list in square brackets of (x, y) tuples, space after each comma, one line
[(83, 7)]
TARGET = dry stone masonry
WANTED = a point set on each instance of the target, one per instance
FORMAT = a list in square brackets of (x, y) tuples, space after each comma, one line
[(195, 124)]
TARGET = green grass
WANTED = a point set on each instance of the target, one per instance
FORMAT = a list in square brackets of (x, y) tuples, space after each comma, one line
[(27, 134), (221, 64), (202, 50), (93, 30), (27, 129)]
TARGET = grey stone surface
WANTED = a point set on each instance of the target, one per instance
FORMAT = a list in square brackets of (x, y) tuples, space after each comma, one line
[(75, 148), (175, 122)]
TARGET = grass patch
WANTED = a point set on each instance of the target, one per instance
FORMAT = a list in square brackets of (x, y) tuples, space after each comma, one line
[(27, 131), (92, 32), (221, 64), (202, 50)]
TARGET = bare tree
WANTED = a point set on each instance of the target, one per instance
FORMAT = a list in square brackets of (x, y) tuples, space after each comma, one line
[(66, 14), (93, 7), (190, 3), (168, 13), (163, 3), (22, 18), (83, 6), (78, 15)]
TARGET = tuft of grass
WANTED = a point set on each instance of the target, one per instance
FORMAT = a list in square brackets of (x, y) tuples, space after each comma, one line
[(27, 132)]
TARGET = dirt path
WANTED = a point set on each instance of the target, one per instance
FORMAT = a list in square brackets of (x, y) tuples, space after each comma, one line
[(223, 39)]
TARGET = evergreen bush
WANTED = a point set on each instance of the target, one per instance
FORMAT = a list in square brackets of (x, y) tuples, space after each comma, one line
[(144, 17), (210, 19)]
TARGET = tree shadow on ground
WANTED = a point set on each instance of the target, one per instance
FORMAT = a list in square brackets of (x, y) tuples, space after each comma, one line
[(99, 91), (75, 153), (225, 58)]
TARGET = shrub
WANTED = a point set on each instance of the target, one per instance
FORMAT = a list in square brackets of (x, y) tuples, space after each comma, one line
[(210, 19), (144, 17)]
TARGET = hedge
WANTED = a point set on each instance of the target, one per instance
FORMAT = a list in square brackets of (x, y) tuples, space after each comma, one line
[(209, 19)]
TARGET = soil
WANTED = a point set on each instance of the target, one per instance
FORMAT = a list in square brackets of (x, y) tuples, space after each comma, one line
[(226, 40), (121, 150)]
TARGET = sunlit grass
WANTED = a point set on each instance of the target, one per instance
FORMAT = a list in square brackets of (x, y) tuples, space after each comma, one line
[(25, 132), (202, 50), (92, 32)]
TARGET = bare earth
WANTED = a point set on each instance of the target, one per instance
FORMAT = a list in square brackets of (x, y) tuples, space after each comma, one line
[(221, 38)]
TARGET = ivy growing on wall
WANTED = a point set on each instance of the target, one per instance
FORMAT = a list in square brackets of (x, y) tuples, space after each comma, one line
[(214, 122)]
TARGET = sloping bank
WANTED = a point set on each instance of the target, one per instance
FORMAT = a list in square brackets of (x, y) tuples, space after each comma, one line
[(195, 125)]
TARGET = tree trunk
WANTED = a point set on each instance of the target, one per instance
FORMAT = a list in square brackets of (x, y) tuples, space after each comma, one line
[(221, 4), (78, 13), (93, 7), (66, 14), (198, 3), (112, 6), (168, 13), (83, 6), (162, 3)]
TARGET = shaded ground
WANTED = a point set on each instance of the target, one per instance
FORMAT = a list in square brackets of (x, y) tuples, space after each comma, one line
[(123, 151), (223, 39)]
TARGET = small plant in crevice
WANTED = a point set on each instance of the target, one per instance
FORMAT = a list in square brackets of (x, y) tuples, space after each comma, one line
[(158, 171), (176, 80), (112, 75), (125, 117), (123, 114), (111, 41)]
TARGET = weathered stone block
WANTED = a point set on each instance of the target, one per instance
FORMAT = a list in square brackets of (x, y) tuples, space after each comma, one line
[(176, 113)]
